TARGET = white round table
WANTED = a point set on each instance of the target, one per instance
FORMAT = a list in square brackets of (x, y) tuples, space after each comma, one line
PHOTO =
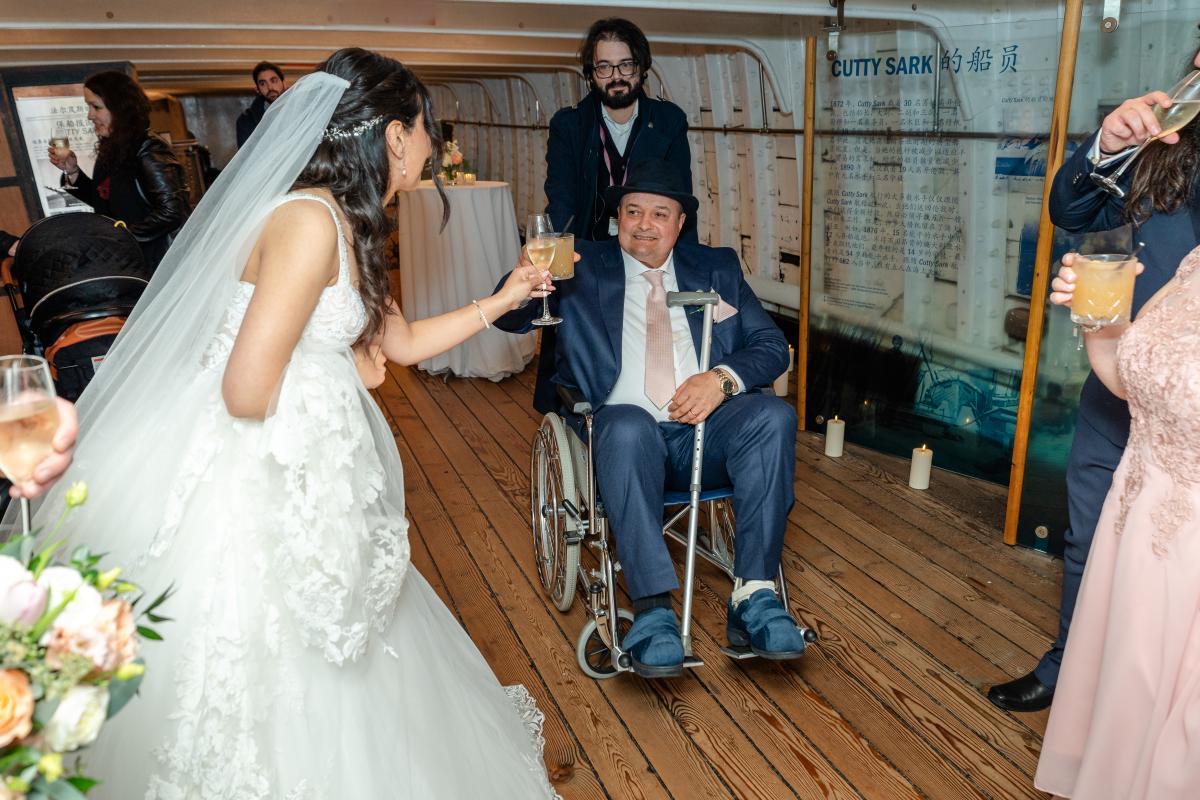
[(444, 270)]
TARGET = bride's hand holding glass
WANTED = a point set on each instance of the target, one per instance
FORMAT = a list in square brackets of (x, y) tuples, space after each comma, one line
[(524, 283), (1133, 122)]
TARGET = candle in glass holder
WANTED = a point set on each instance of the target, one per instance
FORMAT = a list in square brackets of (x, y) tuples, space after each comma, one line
[(922, 463), (835, 436), (469, 178)]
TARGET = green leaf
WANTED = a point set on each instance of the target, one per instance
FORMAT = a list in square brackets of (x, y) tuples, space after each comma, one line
[(162, 598), (83, 784), (155, 618), (149, 633), (44, 710), (121, 692), (14, 547), (59, 790), (22, 756)]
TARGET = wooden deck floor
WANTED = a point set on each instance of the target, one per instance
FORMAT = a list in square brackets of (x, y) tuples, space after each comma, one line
[(918, 607)]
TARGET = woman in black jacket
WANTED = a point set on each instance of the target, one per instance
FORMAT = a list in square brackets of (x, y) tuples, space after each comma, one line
[(137, 178)]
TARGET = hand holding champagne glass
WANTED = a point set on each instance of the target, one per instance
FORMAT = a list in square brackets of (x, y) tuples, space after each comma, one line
[(540, 244), (1147, 119), (61, 156), (28, 420)]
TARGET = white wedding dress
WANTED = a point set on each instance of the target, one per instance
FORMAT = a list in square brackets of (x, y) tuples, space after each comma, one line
[(306, 658)]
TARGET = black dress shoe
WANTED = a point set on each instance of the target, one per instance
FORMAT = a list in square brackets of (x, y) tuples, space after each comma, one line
[(1026, 693)]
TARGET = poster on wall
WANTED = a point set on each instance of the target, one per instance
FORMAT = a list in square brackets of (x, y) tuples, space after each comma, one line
[(55, 114)]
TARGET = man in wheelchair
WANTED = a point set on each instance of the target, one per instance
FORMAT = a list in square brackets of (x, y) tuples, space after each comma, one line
[(635, 362)]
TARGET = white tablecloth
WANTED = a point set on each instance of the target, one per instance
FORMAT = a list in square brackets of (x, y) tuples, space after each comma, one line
[(440, 272)]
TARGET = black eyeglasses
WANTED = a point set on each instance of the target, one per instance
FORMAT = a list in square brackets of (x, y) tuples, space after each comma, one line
[(605, 70)]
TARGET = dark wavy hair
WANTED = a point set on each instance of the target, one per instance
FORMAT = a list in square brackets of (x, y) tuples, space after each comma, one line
[(130, 109), (1165, 175), (615, 29), (355, 168), (265, 66)]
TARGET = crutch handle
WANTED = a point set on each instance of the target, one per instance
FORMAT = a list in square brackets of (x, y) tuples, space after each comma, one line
[(693, 298)]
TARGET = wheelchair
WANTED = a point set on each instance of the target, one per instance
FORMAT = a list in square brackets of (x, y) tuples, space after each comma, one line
[(566, 514)]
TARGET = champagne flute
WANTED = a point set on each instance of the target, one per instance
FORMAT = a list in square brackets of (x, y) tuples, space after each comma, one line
[(28, 419), (1185, 105), (540, 241)]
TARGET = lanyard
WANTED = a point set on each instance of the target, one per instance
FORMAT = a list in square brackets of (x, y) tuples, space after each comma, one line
[(608, 160)]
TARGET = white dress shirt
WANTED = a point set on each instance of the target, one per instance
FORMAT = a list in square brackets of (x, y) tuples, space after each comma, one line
[(619, 130), (630, 387)]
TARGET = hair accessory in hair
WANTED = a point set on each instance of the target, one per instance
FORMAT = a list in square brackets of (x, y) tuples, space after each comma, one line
[(336, 134)]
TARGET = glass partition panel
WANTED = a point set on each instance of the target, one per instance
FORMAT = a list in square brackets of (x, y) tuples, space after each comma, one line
[(1149, 50), (930, 161)]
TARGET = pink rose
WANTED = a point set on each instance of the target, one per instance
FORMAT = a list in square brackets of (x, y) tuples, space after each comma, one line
[(456, 158), (22, 601), (109, 642)]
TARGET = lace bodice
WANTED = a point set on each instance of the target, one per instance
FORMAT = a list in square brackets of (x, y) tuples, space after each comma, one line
[(1158, 364), (336, 322)]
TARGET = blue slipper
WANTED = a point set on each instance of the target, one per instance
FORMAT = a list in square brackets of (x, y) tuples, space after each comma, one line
[(761, 623), (654, 644)]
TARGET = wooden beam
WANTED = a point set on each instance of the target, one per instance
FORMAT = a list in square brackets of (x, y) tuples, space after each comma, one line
[(806, 201), (1072, 17)]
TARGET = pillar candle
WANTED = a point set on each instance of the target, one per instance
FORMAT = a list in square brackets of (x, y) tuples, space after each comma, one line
[(922, 462), (835, 435)]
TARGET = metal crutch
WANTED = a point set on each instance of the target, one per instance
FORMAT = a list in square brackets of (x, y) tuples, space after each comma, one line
[(709, 301)]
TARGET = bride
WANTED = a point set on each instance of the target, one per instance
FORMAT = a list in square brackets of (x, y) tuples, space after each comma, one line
[(232, 449)]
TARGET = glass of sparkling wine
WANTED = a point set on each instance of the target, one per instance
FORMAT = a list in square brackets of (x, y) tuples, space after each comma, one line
[(28, 419), (1103, 290), (540, 244), (61, 146), (1185, 104)]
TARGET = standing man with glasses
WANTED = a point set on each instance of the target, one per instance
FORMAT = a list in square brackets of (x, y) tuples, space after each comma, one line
[(592, 144)]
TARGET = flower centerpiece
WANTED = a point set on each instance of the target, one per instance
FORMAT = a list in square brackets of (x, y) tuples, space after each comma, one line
[(69, 637), (453, 162)]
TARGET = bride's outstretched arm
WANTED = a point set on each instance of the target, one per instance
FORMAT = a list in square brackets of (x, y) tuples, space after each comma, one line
[(411, 342), (292, 263)]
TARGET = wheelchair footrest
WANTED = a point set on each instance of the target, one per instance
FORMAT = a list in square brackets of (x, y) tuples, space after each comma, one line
[(739, 653), (691, 662)]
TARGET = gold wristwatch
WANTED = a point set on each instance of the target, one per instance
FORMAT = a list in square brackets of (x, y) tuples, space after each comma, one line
[(728, 387)]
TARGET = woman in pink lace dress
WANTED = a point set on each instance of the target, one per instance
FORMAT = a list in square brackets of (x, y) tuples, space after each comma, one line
[(1125, 723)]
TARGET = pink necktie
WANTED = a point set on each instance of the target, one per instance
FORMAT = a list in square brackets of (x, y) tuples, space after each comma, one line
[(660, 357)]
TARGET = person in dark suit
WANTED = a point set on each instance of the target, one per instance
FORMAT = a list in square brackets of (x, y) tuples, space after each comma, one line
[(635, 361), (269, 83), (1163, 209), (591, 145)]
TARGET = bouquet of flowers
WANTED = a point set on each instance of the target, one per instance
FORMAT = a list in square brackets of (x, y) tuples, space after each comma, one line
[(68, 660), (453, 163)]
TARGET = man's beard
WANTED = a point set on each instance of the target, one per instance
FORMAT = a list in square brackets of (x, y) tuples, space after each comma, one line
[(622, 100), (270, 97)]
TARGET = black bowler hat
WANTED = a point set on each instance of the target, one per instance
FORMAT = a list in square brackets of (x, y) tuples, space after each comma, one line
[(654, 177)]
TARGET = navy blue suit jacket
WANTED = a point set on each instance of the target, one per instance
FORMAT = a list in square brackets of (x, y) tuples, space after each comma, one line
[(1079, 206), (592, 304), (573, 158)]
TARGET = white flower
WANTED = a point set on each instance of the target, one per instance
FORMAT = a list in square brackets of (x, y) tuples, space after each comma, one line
[(84, 609), (78, 719), (12, 572)]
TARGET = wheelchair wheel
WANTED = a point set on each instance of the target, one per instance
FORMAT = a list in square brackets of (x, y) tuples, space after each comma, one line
[(593, 653), (551, 481)]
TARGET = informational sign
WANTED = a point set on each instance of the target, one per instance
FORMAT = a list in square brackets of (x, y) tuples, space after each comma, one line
[(45, 113)]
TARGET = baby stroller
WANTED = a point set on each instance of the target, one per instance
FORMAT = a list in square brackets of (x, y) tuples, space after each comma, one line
[(74, 280)]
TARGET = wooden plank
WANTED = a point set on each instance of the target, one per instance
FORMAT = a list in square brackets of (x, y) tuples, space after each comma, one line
[(804, 715), (732, 759), (603, 732)]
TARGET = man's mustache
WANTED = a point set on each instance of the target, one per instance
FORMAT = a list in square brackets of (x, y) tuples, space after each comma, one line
[(617, 85)]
